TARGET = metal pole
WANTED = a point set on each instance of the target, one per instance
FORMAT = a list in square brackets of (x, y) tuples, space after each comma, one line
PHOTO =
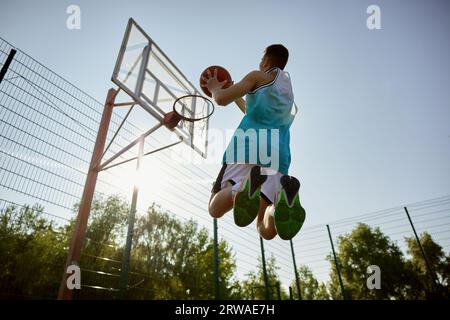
[(266, 278), (297, 279), (79, 232), (216, 263), (131, 218), (427, 262), (8, 61), (145, 154), (336, 263)]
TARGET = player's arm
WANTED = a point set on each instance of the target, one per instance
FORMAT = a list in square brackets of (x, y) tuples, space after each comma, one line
[(224, 96), (240, 102)]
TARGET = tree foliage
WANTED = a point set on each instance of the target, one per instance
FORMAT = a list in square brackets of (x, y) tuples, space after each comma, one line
[(170, 259), (310, 288), (254, 287), (426, 284), (174, 259), (401, 278), (32, 253)]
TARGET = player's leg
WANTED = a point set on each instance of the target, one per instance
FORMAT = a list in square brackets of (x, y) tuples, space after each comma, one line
[(289, 214), (265, 224), (225, 187), (246, 200), (221, 202)]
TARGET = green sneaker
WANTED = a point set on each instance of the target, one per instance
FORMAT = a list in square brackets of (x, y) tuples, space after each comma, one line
[(246, 201), (289, 214)]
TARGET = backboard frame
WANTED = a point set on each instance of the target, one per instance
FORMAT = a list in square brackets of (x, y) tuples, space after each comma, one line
[(185, 130)]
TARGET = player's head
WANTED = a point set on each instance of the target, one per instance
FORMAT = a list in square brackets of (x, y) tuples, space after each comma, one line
[(275, 55)]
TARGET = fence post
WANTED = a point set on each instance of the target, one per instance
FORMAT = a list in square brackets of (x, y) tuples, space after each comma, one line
[(266, 278), (336, 263), (427, 262), (297, 279), (216, 263), (8, 61), (131, 218), (79, 232)]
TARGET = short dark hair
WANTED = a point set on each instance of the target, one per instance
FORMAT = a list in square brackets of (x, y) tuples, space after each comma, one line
[(278, 55)]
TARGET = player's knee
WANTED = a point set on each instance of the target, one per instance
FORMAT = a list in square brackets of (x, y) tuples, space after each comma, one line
[(213, 212), (268, 235)]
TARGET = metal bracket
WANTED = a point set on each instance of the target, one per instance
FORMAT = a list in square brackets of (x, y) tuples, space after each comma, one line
[(102, 168)]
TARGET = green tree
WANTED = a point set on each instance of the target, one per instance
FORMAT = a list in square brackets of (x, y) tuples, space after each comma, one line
[(310, 288), (254, 286), (178, 258), (358, 250), (32, 252), (170, 259), (102, 252), (424, 287)]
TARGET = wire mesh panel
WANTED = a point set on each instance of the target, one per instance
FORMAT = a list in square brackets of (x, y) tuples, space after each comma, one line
[(48, 129)]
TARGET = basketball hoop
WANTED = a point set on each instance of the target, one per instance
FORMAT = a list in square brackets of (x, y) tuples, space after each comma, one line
[(189, 108)]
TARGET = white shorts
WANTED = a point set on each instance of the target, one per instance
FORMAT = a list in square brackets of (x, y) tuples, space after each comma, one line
[(235, 173)]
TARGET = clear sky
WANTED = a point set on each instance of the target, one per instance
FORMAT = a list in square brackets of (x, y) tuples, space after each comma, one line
[(373, 129)]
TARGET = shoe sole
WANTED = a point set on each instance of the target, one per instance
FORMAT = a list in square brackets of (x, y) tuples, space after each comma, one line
[(246, 202), (289, 214)]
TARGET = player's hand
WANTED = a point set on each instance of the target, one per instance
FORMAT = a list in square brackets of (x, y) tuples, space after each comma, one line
[(228, 85), (212, 83)]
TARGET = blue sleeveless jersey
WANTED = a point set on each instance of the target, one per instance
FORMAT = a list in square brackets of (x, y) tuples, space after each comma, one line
[(263, 136)]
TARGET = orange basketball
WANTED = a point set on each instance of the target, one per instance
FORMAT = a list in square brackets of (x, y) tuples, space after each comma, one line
[(222, 75)]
